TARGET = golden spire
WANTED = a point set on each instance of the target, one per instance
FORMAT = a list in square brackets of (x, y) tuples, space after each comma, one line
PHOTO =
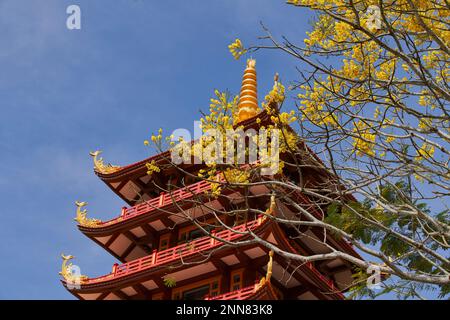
[(248, 99)]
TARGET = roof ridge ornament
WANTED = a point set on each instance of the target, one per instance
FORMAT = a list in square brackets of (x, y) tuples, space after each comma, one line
[(271, 210), (99, 166), (72, 278), (266, 279), (269, 266), (82, 218)]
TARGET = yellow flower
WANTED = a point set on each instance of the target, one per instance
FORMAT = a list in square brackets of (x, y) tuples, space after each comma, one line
[(342, 31), (390, 139), (364, 141), (236, 176), (276, 94), (424, 124), (237, 49), (426, 151), (152, 167)]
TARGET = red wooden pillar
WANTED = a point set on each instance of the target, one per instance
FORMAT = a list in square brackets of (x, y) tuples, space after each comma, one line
[(154, 256), (213, 241), (114, 268), (161, 199)]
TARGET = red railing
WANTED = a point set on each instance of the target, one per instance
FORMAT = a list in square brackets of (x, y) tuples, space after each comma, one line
[(246, 292), (240, 294), (200, 245), (183, 250), (163, 200), (297, 248), (325, 279)]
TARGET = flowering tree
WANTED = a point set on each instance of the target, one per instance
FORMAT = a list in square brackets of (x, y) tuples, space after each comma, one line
[(372, 102)]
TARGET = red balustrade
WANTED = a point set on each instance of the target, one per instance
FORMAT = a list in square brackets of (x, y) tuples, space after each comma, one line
[(325, 279), (161, 201), (164, 199), (200, 245), (311, 266), (183, 250), (240, 294)]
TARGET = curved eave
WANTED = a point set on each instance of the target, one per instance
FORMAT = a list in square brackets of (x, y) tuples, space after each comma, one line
[(129, 223), (108, 234), (265, 293), (110, 282), (148, 212), (304, 273), (131, 168), (323, 283)]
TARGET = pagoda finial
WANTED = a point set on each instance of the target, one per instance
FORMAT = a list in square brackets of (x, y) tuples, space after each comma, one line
[(251, 63), (248, 99)]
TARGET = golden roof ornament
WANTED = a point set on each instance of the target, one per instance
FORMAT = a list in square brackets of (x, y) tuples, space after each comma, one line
[(271, 210), (266, 279), (99, 166), (248, 98), (272, 206), (82, 218), (67, 271), (269, 266)]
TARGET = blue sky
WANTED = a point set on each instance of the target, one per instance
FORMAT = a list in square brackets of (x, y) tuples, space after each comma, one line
[(135, 66)]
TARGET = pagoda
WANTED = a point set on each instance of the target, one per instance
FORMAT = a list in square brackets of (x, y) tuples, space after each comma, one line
[(167, 255)]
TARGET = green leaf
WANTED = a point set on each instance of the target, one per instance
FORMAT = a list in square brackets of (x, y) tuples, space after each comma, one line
[(170, 282)]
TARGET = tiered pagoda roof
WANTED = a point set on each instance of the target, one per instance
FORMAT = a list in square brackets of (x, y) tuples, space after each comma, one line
[(147, 237)]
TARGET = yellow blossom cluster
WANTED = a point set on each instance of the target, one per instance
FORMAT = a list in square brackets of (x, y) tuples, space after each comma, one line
[(152, 167), (370, 70), (284, 118), (277, 94), (425, 124), (222, 112), (321, 32), (390, 139), (233, 175), (386, 70), (312, 105), (343, 31), (211, 174), (237, 49), (288, 141), (229, 175), (426, 151), (155, 138), (221, 117), (363, 139)]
